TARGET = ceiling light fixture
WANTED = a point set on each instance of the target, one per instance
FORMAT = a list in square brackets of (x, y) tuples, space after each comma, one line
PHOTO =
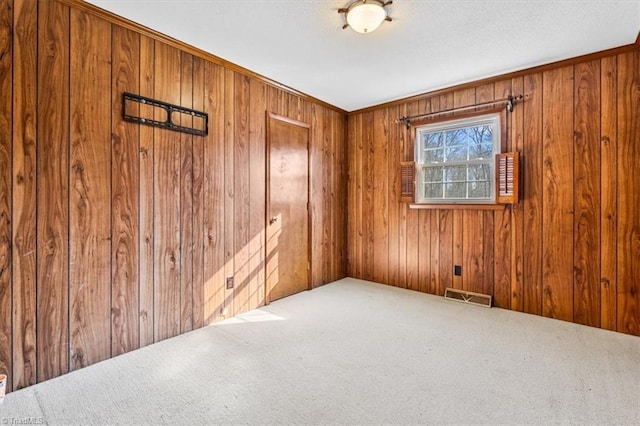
[(365, 16)]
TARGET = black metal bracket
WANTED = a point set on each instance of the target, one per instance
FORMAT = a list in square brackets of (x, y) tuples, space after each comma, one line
[(510, 103), (169, 109)]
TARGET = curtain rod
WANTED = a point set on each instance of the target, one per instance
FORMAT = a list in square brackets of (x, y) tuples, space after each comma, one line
[(510, 102)]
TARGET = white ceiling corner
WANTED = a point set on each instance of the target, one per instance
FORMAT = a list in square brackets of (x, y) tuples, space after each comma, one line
[(431, 44)]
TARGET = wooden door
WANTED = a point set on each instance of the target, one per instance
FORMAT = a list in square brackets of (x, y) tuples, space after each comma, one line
[(287, 220)]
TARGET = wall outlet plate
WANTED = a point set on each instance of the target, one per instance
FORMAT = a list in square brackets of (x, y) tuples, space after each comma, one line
[(229, 283), (457, 270)]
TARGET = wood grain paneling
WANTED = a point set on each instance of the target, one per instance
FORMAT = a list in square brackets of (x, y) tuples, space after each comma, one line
[(24, 192), (367, 195), (608, 193), (628, 239), (327, 174), (146, 200), (229, 184), (241, 194), (186, 197), (393, 189), (380, 197), (115, 235), (125, 327), (533, 189), (257, 190), (6, 296), (52, 252), (166, 206), (90, 195), (197, 200), (557, 199), (214, 202), (316, 184), (569, 249), (586, 228)]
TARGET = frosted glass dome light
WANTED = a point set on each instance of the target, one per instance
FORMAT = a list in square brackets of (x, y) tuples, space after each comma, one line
[(366, 16)]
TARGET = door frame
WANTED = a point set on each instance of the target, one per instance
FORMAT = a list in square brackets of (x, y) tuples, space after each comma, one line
[(273, 116)]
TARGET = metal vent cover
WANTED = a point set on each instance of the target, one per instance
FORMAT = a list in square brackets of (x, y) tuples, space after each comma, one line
[(468, 297)]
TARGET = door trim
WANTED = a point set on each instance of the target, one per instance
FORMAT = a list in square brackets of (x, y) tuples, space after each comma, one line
[(273, 116)]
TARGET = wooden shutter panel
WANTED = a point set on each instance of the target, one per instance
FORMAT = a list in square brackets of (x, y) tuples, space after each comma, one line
[(507, 177), (407, 181)]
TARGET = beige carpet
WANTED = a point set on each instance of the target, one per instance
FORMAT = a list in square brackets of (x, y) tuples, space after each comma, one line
[(354, 352)]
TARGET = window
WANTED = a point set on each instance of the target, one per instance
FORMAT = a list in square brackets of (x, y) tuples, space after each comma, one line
[(455, 160)]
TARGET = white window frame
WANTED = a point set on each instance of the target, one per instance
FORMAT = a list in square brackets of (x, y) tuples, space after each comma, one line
[(493, 119)]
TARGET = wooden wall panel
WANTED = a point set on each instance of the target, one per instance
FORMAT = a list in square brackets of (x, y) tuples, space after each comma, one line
[(125, 327), (6, 296), (340, 207), (241, 194), (608, 193), (586, 202), (90, 196), (166, 207), (186, 197), (257, 191), (367, 196), (393, 190), (214, 202), (197, 200), (229, 184), (52, 287), (380, 195), (327, 173), (628, 241), (569, 249), (316, 187), (24, 190), (557, 198), (115, 235), (351, 199), (533, 184), (356, 208), (146, 188)]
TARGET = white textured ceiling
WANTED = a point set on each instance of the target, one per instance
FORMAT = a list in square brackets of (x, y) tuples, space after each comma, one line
[(431, 44)]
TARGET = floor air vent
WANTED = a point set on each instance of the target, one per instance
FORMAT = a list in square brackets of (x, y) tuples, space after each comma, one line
[(468, 297)]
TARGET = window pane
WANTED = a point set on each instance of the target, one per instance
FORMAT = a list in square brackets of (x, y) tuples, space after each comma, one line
[(480, 151), (432, 174), (455, 190), (479, 190), (457, 153), (433, 190), (432, 140), (434, 156), (457, 158), (455, 173), (479, 172), (454, 137)]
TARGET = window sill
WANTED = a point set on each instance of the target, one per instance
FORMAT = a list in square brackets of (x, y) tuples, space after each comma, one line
[(458, 206)]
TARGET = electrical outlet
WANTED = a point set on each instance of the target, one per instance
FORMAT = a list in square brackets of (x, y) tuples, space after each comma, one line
[(457, 270), (229, 283)]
